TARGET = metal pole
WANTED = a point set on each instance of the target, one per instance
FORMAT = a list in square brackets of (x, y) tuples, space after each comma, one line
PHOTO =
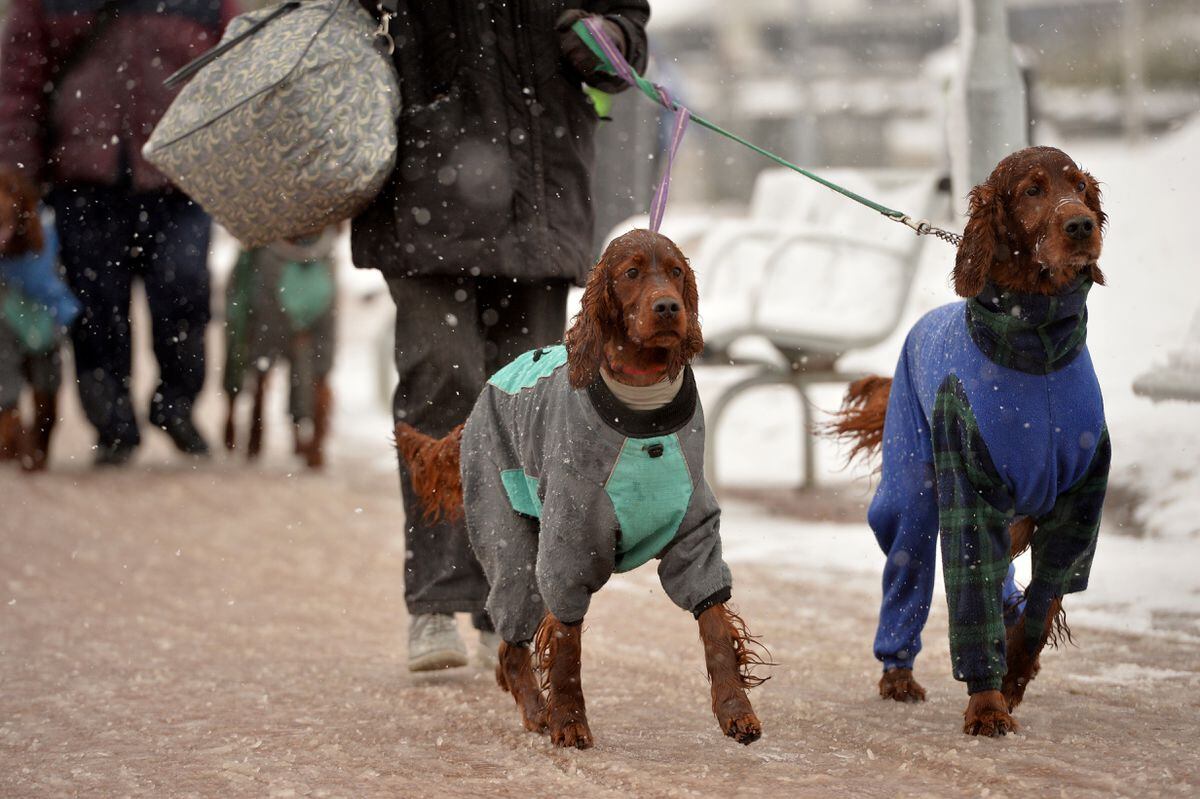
[(988, 110), (1134, 50)]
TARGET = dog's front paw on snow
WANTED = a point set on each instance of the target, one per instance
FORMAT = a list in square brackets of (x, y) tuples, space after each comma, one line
[(987, 715), (745, 728), (900, 685), (572, 734)]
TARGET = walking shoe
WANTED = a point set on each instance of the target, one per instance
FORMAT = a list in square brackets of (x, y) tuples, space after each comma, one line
[(183, 433), (488, 649), (434, 643), (115, 454)]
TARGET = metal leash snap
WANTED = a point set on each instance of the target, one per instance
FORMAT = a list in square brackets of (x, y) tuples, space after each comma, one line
[(921, 226), (384, 42)]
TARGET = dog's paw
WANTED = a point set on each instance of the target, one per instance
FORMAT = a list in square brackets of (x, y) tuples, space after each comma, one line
[(572, 734), (900, 685), (745, 729), (986, 715)]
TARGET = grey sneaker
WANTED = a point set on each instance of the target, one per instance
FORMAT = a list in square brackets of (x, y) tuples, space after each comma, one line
[(433, 643), (489, 648)]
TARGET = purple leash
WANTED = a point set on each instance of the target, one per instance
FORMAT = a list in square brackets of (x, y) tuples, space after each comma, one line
[(625, 72)]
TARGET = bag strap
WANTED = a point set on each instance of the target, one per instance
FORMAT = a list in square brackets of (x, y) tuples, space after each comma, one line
[(195, 65)]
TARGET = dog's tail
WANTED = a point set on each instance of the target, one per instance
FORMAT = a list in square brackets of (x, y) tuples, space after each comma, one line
[(859, 423), (433, 468)]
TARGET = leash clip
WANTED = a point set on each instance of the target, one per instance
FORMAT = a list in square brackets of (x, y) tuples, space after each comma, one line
[(384, 42), (921, 226)]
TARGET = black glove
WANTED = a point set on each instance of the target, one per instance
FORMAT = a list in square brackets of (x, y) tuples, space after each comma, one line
[(578, 54)]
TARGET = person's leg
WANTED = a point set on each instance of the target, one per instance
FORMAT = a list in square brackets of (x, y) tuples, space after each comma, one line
[(95, 228), (518, 317), (515, 318), (440, 363), (172, 247)]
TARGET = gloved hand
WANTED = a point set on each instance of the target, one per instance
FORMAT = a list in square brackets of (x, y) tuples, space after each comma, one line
[(577, 54)]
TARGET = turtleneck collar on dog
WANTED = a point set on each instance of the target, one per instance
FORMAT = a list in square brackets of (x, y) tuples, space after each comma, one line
[(643, 398), (1032, 333)]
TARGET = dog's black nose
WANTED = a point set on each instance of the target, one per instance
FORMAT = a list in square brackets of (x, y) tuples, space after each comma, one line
[(1079, 227), (666, 307)]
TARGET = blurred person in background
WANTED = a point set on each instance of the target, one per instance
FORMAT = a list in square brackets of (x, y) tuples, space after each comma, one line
[(486, 223), (80, 92)]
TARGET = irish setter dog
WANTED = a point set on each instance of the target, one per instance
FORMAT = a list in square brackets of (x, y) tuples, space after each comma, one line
[(1034, 236), (639, 323), (21, 233)]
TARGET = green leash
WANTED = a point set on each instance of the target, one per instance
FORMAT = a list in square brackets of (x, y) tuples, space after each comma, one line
[(614, 63)]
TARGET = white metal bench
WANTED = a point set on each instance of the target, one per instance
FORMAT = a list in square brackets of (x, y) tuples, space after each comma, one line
[(810, 277)]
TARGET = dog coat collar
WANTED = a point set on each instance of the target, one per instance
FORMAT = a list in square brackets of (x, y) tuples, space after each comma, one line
[(1032, 333), (642, 424), (643, 398)]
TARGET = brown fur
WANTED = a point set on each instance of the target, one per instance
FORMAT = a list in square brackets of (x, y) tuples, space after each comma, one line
[(1018, 239), (900, 685), (1020, 533), (514, 674), (559, 656), (1024, 663), (433, 468), (311, 447), (987, 715), (12, 434), (617, 313), (20, 227), (730, 654), (859, 423)]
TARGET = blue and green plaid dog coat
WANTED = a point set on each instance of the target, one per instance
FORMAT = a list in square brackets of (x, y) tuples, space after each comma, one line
[(995, 412)]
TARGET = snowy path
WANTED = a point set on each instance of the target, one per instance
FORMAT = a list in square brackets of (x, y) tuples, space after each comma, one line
[(238, 632)]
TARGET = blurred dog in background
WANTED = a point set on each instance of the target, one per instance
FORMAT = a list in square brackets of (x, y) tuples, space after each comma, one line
[(280, 304), (35, 308)]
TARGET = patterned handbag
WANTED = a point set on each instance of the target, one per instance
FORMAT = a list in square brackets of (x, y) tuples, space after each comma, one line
[(289, 124)]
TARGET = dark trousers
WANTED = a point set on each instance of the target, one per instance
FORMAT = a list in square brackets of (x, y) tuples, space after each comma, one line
[(110, 235), (452, 334)]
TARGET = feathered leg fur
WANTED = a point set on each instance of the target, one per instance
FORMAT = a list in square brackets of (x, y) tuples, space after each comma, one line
[(560, 654), (730, 653)]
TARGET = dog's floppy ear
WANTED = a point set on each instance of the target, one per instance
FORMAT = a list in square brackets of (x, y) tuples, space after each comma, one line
[(985, 241), (591, 327), (1092, 199), (693, 342)]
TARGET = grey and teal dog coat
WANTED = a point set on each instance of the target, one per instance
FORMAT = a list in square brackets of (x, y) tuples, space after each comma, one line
[(565, 486)]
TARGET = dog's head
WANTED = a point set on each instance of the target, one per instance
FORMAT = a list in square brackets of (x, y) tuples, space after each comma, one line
[(1035, 224), (20, 227), (639, 316)]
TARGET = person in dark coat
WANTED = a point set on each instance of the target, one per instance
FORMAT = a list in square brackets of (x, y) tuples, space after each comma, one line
[(80, 92), (485, 224)]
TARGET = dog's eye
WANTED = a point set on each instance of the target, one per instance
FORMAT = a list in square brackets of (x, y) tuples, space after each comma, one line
[(676, 272), (631, 272), (1081, 186), (1033, 191)]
